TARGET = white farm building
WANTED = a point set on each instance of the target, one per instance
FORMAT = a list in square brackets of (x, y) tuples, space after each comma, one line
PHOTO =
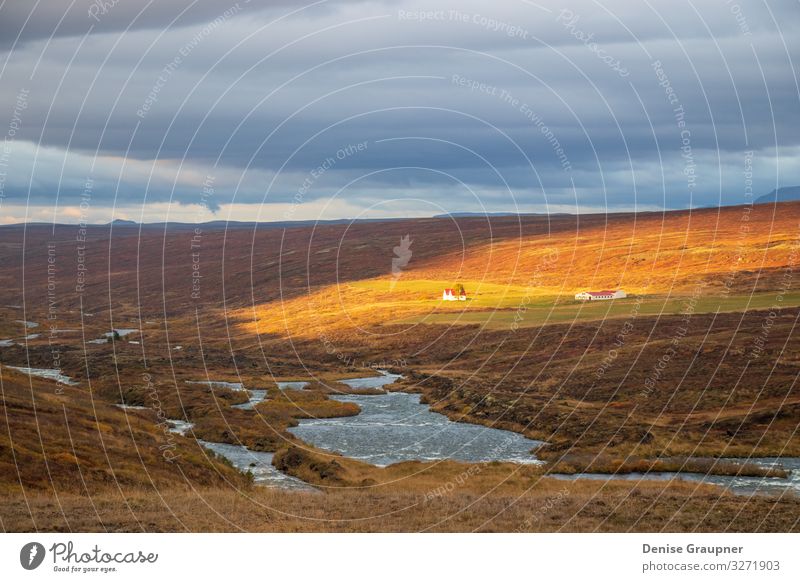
[(452, 295), (600, 295)]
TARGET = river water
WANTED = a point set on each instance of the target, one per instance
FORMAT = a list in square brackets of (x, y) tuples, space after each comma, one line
[(396, 427), (217, 384), (291, 385), (372, 381), (259, 464), (256, 396), (47, 373), (392, 427), (738, 485)]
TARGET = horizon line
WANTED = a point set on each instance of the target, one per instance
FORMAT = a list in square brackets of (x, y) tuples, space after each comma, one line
[(124, 222)]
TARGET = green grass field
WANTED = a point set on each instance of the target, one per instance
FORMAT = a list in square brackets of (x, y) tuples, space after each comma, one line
[(536, 311)]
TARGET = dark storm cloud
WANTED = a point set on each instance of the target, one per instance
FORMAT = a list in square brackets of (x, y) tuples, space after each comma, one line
[(576, 105)]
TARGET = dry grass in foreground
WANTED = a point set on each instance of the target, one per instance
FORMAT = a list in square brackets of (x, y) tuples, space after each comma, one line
[(554, 506)]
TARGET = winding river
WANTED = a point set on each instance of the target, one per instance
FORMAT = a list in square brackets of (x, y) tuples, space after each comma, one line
[(396, 427), (391, 427)]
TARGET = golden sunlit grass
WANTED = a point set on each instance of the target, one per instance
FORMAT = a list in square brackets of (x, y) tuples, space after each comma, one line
[(365, 303), (545, 310), (729, 253)]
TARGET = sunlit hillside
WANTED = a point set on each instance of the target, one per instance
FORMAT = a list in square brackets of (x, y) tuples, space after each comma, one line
[(729, 257)]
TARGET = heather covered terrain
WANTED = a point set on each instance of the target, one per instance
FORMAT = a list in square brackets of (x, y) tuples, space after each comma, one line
[(699, 362)]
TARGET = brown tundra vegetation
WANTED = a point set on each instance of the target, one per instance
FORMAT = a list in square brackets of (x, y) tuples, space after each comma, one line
[(700, 362)]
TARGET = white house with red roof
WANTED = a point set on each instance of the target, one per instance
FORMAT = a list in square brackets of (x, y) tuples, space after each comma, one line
[(450, 295), (600, 295)]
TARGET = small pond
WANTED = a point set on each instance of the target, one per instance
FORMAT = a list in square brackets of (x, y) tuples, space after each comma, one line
[(49, 374), (122, 332)]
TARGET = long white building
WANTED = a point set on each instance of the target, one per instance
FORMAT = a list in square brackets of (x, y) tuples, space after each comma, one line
[(600, 295)]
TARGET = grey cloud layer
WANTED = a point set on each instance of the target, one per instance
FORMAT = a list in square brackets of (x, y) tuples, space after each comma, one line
[(511, 101)]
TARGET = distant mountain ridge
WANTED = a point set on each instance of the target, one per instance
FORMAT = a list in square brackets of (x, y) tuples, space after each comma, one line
[(783, 194), (212, 224), (473, 214), (497, 214)]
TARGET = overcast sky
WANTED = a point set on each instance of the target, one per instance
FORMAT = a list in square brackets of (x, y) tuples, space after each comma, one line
[(289, 110)]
